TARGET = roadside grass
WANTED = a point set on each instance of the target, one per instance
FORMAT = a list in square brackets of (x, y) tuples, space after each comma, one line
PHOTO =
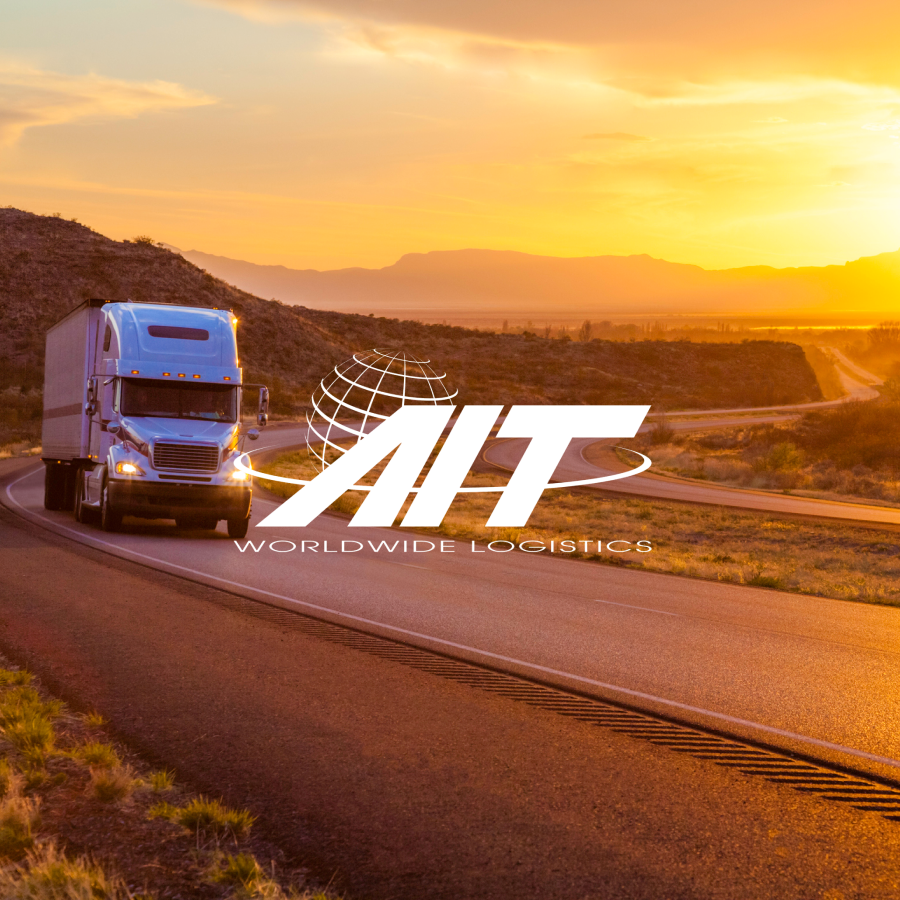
[(94, 720), (19, 821), (245, 876), (113, 784), (96, 754), (208, 817), (161, 780), (48, 874), (60, 784), (841, 561)]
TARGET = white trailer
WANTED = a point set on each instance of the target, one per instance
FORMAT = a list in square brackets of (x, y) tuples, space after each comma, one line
[(142, 415)]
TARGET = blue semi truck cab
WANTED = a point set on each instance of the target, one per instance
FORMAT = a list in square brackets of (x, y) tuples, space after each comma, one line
[(142, 415)]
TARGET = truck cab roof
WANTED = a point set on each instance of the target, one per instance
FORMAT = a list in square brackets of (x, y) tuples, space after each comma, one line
[(150, 340)]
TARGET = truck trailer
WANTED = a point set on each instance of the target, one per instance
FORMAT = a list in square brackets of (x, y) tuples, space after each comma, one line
[(142, 415)]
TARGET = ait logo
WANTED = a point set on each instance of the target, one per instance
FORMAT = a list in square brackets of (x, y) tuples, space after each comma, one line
[(393, 402)]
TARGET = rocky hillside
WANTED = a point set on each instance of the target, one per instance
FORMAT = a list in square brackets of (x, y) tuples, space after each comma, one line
[(49, 265)]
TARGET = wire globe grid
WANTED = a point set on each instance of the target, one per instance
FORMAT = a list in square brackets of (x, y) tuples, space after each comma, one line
[(365, 390)]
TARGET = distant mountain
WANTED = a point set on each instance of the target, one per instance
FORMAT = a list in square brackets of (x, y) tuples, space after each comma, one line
[(505, 281)]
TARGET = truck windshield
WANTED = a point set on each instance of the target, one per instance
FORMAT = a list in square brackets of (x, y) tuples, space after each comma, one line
[(165, 400)]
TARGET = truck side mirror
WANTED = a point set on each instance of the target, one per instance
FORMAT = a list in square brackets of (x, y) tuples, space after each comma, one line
[(253, 434), (113, 427), (262, 416), (91, 406)]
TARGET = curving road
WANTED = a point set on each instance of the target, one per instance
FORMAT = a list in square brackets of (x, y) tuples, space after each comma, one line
[(587, 458), (807, 674)]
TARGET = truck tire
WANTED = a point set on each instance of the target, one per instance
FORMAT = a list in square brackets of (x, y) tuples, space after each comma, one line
[(237, 527), (54, 486), (71, 475), (80, 508), (110, 519), (83, 513)]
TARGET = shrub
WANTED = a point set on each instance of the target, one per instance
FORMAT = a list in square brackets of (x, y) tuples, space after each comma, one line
[(661, 432), (783, 457), (110, 785)]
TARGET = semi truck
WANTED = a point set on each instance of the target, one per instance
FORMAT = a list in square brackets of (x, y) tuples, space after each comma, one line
[(143, 415)]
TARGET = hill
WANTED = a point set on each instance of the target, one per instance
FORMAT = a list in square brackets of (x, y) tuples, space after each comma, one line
[(49, 265), (598, 286)]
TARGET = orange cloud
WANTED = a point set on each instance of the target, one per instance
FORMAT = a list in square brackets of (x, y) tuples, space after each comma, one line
[(647, 39), (31, 98)]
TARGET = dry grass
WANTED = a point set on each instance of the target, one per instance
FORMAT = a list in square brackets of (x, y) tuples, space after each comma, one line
[(19, 821), (846, 562), (83, 785), (246, 877), (112, 785), (96, 754), (162, 780), (47, 874), (208, 817), (26, 721)]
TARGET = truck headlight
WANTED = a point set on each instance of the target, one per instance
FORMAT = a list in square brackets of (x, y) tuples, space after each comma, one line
[(128, 468), (238, 475)]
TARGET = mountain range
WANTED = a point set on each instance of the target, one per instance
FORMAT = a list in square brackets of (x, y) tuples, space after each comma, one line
[(506, 282)]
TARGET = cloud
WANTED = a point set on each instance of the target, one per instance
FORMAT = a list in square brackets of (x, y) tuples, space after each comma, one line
[(770, 91), (699, 40), (31, 98), (617, 136)]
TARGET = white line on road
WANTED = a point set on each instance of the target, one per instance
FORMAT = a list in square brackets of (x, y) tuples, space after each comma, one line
[(644, 608)]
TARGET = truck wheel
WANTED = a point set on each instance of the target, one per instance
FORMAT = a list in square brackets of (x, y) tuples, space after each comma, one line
[(110, 519), (54, 486), (237, 528), (68, 502), (80, 508)]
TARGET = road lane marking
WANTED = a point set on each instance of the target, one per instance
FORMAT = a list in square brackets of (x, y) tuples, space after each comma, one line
[(644, 608), (487, 654)]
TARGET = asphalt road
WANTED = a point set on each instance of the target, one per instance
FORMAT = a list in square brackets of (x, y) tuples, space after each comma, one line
[(400, 785), (586, 459), (798, 672)]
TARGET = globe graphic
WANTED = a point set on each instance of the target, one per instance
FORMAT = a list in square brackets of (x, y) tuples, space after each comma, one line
[(363, 391)]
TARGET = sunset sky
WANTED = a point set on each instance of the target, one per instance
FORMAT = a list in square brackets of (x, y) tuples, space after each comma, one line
[(336, 133)]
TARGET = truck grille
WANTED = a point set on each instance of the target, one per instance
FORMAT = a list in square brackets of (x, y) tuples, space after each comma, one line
[(185, 457)]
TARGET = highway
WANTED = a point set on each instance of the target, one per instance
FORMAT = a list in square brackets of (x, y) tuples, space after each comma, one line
[(397, 781), (794, 671), (406, 786)]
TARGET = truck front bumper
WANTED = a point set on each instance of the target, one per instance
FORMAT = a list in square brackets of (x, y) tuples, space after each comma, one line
[(152, 500)]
